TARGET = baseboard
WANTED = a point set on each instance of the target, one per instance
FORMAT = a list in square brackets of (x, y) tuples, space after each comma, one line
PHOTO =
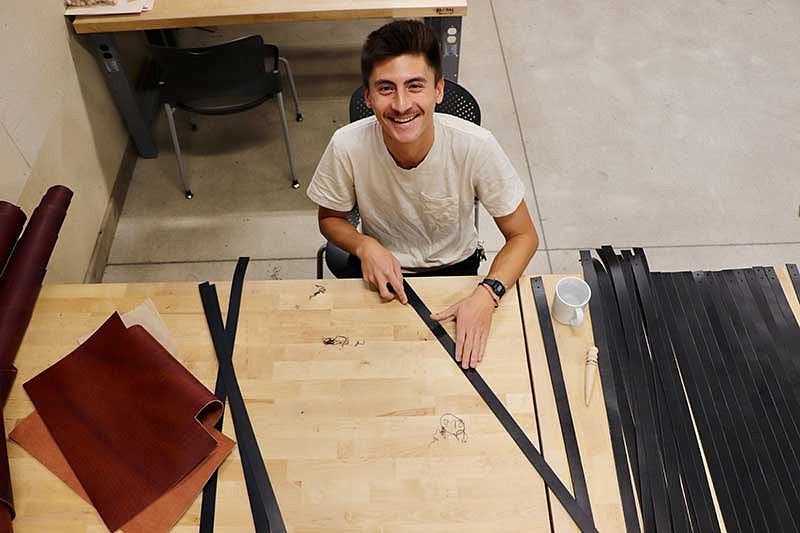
[(108, 228)]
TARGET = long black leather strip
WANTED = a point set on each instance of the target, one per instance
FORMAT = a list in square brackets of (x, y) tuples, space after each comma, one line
[(599, 331), (618, 355), (579, 516), (208, 505), (682, 432), (794, 276), (653, 493), (562, 400), (716, 450), (245, 435), (746, 401)]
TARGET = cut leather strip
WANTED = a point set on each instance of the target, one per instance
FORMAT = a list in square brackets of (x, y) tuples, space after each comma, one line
[(562, 400), (618, 356), (208, 506), (746, 402), (654, 502), (158, 517), (599, 331), (579, 516), (126, 416), (245, 435), (794, 276)]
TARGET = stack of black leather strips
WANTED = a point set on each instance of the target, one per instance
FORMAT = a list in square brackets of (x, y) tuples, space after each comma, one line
[(708, 354)]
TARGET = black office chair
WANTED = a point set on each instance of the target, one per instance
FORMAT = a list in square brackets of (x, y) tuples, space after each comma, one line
[(456, 101), (219, 80)]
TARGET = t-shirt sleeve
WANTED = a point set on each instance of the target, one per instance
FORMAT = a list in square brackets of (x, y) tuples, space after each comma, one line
[(332, 185), (497, 184)]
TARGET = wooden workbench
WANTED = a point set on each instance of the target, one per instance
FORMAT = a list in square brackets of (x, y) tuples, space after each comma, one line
[(351, 433), (188, 13)]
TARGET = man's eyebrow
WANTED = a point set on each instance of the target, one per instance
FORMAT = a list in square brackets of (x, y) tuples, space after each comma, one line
[(380, 82), (416, 80)]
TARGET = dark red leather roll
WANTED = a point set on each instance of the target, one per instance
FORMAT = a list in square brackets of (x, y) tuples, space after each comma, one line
[(128, 418), (11, 221), (19, 288), (22, 279)]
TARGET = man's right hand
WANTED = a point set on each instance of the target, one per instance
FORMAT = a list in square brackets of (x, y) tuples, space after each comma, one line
[(381, 270)]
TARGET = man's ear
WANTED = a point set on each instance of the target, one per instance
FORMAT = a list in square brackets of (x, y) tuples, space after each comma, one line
[(366, 97), (440, 90)]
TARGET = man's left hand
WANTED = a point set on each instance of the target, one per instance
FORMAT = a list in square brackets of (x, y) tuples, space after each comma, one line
[(473, 316)]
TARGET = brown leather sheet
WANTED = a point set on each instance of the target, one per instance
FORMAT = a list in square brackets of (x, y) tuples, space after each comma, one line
[(128, 418), (11, 221), (161, 515)]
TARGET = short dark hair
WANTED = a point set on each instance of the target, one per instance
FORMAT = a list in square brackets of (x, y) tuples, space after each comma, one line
[(398, 38)]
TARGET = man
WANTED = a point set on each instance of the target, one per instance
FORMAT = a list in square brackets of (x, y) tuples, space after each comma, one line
[(414, 176)]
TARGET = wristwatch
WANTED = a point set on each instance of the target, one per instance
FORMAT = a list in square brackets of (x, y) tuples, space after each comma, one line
[(495, 285)]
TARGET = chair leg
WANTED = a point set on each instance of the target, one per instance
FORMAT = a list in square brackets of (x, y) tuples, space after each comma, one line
[(170, 111), (320, 257), (299, 114), (295, 183)]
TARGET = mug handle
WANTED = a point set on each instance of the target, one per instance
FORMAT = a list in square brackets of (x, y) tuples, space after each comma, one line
[(578, 318)]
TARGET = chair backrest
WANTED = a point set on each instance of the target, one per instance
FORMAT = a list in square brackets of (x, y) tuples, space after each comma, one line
[(234, 67), (457, 101)]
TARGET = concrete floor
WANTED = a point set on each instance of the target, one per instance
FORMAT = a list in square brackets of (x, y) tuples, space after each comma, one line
[(669, 125)]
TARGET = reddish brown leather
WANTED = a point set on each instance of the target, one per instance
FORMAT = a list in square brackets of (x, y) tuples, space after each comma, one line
[(22, 278), (11, 221), (161, 515), (124, 413), (19, 288)]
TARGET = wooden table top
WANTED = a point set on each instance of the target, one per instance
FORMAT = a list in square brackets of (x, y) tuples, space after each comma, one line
[(188, 13), (350, 433)]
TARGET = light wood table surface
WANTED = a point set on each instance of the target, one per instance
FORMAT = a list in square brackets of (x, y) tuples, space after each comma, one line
[(351, 433), (188, 13)]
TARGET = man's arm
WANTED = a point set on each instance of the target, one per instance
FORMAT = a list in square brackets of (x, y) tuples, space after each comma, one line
[(379, 267), (473, 314)]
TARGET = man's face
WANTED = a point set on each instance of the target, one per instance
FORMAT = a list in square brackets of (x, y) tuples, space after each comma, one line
[(403, 94)]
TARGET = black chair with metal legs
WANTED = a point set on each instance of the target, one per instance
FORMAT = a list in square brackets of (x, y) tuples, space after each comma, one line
[(456, 101), (220, 80)]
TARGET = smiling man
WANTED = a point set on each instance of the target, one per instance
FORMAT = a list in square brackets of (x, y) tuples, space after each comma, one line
[(414, 175)]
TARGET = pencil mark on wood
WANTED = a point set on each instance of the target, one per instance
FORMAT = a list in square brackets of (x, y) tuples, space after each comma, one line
[(450, 426)]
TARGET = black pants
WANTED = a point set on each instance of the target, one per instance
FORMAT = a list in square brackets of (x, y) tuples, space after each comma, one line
[(467, 267)]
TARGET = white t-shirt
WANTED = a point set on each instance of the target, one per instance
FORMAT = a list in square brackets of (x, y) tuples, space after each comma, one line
[(423, 216)]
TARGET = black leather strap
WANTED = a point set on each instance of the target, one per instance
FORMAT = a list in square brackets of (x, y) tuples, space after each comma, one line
[(794, 276), (208, 506), (579, 516), (264, 504), (561, 398), (609, 385)]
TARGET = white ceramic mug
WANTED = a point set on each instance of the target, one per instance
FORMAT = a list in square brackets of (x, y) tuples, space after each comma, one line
[(572, 295)]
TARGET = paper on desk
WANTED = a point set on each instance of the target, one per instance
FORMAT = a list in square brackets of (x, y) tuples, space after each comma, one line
[(146, 315), (121, 7)]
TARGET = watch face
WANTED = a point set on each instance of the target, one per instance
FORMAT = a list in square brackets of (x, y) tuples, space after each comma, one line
[(496, 285)]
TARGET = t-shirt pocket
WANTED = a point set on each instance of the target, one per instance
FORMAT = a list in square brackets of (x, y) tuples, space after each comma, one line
[(440, 214)]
